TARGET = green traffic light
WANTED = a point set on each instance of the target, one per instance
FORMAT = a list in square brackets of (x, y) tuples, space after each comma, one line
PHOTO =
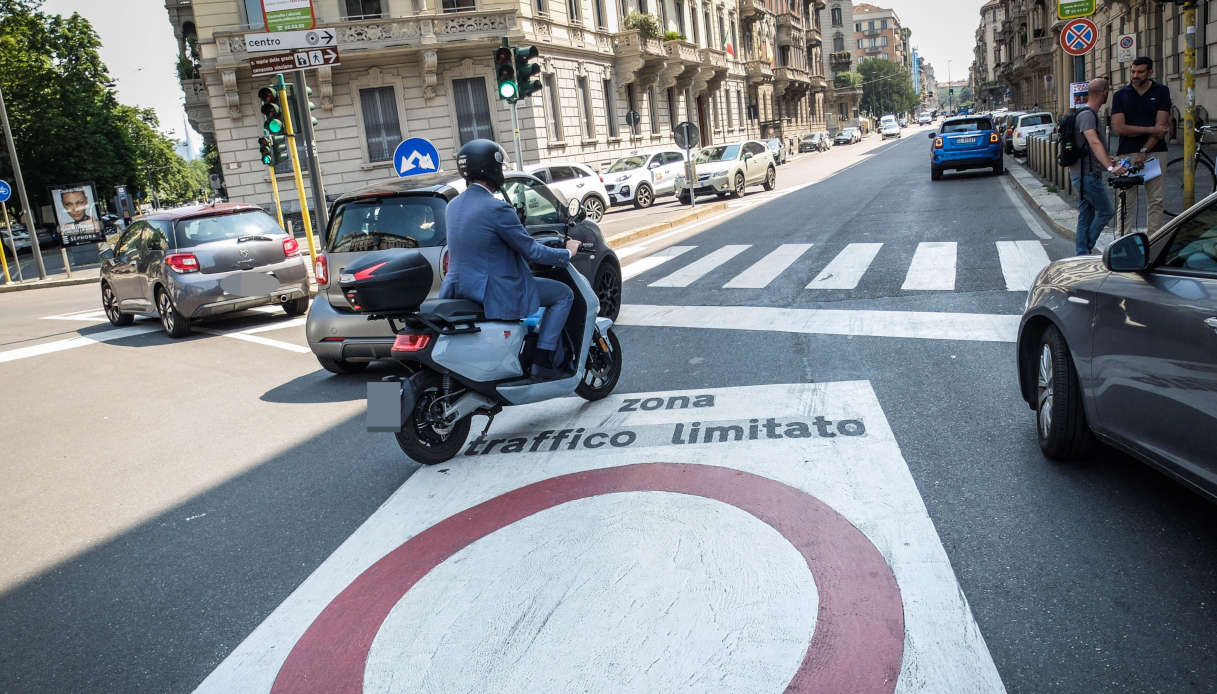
[(275, 126), (507, 90)]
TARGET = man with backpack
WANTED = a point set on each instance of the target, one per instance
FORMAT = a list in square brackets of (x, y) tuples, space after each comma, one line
[(1084, 150)]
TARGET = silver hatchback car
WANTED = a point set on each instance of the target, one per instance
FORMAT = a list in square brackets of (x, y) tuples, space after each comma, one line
[(202, 261)]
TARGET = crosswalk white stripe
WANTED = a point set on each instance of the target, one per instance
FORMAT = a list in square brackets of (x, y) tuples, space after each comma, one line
[(768, 268), (846, 270), (696, 270), (653, 261), (1021, 261), (933, 267), (631, 250), (74, 342)]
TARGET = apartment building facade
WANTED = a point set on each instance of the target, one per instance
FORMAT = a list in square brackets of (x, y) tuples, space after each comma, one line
[(843, 102), (878, 33), (422, 68)]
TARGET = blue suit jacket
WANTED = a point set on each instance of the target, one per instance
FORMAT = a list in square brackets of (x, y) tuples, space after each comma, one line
[(488, 256)]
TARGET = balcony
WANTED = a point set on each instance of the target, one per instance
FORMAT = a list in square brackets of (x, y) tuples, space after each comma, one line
[(684, 61), (638, 59), (758, 71), (841, 61), (791, 21), (813, 36), (818, 83), (753, 9), (1040, 49)]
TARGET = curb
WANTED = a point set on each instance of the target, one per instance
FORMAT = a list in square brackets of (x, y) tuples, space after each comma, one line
[(1023, 178), (42, 284), (702, 212)]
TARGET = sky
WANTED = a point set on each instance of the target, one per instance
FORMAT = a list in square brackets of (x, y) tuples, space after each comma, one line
[(138, 47), (942, 30)]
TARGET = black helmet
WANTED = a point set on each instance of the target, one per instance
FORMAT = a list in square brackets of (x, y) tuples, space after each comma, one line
[(482, 160)]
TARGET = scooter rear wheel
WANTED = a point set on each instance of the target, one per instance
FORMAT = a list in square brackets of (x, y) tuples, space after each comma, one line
[(424, 441), (603, 369)]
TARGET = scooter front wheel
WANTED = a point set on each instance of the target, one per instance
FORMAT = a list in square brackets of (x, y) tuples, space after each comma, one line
[(603, 367), (426, 440)]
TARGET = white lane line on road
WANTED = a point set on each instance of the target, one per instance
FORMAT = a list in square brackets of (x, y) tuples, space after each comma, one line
[(652, 261), (846, 270), (74, 342), (245, 337), (768, 268), (1021, 261), (1037, 227), (698, 269), (975, 327), (280, 325), (86, 315), (933, 267)]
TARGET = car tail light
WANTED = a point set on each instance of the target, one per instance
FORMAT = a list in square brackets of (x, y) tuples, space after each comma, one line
[(993, 138), (321, 270), (182, 262), (411, 343), (1018, 133), (938, 143), (291, 247)]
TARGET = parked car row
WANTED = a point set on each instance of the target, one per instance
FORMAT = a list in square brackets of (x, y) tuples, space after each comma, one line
[(815, 142), (848, 136), (726, 170)]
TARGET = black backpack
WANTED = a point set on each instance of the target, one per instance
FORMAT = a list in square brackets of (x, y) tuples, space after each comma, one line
[(1068, 151)]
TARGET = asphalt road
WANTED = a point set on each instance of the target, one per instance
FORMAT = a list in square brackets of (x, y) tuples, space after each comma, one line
[(164, 497)]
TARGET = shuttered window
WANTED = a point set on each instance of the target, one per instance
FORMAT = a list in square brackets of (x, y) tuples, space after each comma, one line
[(381, 126), (472, 109)]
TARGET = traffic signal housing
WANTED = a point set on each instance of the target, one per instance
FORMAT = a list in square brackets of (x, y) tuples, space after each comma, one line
[(525, 71), (505, 73), (269, 99)]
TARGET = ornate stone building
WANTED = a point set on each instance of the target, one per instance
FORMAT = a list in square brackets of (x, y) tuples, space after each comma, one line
[(837, 19)]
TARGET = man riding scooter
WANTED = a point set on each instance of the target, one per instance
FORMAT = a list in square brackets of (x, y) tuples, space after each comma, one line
[(488, 255)]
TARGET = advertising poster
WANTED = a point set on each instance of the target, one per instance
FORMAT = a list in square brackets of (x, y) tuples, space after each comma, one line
[(1078, 92), (76, 212)]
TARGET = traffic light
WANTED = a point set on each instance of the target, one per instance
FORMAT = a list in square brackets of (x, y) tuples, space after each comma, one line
[(525, 71), (267, 149), (270, 110), (505, 72), (308, 98)]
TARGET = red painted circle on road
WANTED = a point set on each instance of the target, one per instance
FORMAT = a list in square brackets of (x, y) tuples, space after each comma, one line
[(857, 646)]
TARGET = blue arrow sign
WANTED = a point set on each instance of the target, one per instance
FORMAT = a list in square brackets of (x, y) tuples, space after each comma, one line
[(6, 191), (415, 156)]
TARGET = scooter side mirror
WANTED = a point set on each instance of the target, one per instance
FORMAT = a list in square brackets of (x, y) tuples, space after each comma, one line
[(575, 212)]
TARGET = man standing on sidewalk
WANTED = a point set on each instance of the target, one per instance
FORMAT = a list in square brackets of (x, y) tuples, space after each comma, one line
[(1095, 208), (1140, 115)]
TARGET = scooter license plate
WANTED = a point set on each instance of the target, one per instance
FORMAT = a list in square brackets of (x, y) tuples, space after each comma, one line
[(384, 406)]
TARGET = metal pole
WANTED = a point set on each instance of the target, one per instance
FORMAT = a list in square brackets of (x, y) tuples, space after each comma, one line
[(320, 209), (291, 145), (274, 188), (515, 128), (1189, 106), (25, 200), (3, 261)]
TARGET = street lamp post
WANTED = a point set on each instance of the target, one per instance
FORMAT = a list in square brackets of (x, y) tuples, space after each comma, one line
[(950, 90)]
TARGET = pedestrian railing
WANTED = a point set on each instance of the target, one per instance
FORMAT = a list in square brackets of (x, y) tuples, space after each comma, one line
[(1041, 157)]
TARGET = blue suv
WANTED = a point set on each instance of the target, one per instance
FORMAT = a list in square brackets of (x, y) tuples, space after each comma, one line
[(966, 142)]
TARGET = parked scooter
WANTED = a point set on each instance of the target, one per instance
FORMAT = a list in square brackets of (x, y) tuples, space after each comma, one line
[(461, 364)]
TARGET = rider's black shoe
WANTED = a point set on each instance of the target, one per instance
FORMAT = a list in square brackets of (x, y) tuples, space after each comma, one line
[(549, 373)]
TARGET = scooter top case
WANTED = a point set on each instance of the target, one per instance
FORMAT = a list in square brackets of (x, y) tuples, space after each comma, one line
[(393, 281)]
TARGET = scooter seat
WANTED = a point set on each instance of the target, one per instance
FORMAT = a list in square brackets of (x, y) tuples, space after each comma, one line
[(452, 310)]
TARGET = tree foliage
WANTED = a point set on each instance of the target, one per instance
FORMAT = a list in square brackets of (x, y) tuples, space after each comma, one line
[(67, 123), (887, 87)]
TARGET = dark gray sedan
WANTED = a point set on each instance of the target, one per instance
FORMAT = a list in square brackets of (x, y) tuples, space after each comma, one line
[(1123, 348), (202, 261)]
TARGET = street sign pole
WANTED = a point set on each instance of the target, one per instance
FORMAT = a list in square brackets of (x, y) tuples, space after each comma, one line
[(1189, 105), (310, 144), (291, 146), (25, 200), (515, 127), (3, 261)]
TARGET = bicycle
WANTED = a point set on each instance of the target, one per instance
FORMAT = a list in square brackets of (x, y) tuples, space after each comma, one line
[(1206, 183)]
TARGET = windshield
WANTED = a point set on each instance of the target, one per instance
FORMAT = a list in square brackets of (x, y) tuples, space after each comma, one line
[(374, 224), (200, 230), (719, 153), (967, 126), (626, 163), (1038, 119)]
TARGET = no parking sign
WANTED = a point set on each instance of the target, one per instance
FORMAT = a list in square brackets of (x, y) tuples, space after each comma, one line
[(1127, 50)]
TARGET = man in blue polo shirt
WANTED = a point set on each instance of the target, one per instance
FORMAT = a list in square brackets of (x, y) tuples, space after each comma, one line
[(1140, 115)]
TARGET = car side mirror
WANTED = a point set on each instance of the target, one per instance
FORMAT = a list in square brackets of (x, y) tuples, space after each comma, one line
[(654, 165), (1128, 254), (106, 253), (747, 156), (933, 135)]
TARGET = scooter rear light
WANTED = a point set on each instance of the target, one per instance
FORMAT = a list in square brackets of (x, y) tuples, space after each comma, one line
[(411, 343)]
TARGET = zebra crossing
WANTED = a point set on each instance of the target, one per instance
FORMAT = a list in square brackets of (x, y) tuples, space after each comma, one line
[(933, 265)]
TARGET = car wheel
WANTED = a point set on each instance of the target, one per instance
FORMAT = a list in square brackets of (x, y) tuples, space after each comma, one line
[(109, 302), (172, 321), (771, 179), (738, 190), (608, 289), (643, 197), (1060, 420), (999, 168), (685, 199), (296, 307), (593, 207), (935, 173), (340, 367)]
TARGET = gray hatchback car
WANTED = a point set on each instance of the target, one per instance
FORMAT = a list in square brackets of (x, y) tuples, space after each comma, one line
[(201, 261), (1124, 348)]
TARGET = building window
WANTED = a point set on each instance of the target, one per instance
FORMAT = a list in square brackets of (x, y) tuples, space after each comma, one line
[(693, 22), (653, 111), (743, 117), (381, 126), (253, 14), (631, 105), (722, 30), (459, 5), (838, 43), (598, 8), (541, 7), (858, 27), (362, 9), (555, 111), (472, 109), (734, 42), (709, 29), (730, 118), (679, 8), (662, 6), (882, 23), (672, 107), (642, 6), (572, 7), (585, 105), (610, 108), (836, 16)]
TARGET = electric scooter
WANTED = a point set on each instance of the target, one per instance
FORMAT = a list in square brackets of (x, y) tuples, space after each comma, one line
[(459, 363)]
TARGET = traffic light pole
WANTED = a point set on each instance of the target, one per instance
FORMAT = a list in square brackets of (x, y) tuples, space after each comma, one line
[(320, 209), (274, 188), (1189, 105), (515, 128), (25, 201), (295, 155)]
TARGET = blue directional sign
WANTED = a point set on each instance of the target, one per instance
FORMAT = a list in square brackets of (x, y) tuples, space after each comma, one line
[(6, 191), (415, 156)]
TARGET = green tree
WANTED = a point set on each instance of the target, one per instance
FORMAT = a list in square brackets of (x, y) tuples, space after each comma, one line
[(887, 87)]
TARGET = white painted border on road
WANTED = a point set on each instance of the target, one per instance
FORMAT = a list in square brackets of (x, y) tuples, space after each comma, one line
[(932, 267)]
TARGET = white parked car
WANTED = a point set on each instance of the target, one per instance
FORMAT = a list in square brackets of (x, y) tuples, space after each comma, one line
[(889, 129), (1029, 124), (575, 182), (728, 169), (640, 178)]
